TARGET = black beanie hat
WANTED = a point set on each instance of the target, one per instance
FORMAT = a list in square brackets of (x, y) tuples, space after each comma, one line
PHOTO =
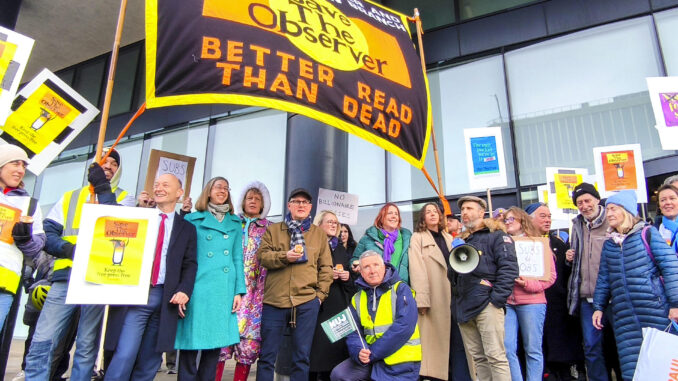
[(114, 154), (584, 188)]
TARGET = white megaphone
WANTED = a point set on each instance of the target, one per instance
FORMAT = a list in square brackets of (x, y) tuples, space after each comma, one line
[(464, 258)]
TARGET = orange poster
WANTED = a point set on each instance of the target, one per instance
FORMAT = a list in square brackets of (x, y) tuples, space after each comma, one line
[(619, 170), (9, 215)]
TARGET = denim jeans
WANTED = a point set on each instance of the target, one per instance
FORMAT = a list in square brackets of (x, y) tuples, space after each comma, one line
[(593, 344), (55, 317), (273, 322), (6, 301), (529, 320)]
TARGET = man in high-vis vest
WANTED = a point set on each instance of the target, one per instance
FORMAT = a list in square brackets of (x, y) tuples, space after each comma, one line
[(26, 238), (61, 227), (386, 345)]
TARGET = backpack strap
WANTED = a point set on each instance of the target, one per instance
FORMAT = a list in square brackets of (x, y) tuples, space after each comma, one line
[(32, 205), (645, 236)]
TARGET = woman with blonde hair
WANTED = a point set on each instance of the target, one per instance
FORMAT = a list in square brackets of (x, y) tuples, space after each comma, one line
[(324, 354), (526, 307), (638, 276), (210, 322)]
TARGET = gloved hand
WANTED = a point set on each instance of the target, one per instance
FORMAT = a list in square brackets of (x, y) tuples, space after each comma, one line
[(22, 232), (67, 250), (97, 177)]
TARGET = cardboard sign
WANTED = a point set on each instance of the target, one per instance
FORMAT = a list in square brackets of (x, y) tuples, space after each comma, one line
[(620, 168), (339, 326), (161, 162), (114, 255), (485, 162), (344, 205), (14, 52), (534, 257), (664, 98), (9, 216), (47, 115)]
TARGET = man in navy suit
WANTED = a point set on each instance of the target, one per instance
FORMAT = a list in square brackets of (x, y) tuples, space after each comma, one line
[(144, 332)]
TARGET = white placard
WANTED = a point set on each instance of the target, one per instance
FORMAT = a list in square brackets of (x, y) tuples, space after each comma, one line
[(88, 284), (532, 256), (48, 115), (344, 205), (485, 163), (663, 93), (620, 168), (15, 49), (177, 168)]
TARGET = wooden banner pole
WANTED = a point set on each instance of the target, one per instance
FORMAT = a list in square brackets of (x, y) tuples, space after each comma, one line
[(102, 137), (440, 190)]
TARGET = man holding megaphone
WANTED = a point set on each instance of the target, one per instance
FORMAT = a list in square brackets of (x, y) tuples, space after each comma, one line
[(481, 290)]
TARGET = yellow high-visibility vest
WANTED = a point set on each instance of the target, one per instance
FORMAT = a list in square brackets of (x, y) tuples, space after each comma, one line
[(72, 207), (383, 319)]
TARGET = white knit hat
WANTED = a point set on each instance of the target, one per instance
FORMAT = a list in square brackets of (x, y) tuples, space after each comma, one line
[(10, 153)]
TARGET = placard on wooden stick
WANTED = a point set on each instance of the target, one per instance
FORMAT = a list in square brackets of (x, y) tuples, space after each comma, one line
[(162, 162), (534, 257)]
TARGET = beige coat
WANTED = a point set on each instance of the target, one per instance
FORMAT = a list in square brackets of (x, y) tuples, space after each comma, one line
[(428, 278)]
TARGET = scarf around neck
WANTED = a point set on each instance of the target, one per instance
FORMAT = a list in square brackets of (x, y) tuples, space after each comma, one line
[(672, 226), (334, 242), (389, 242), (218, 211), (247, 221), (297, 229)]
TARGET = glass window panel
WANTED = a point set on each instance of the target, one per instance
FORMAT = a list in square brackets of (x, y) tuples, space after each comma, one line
[(89, 80), (472, 95), (66, 76), (433, 13), (125, 73), (474, 8), (366, 171), (580, 91), (130, 156), (252, 147), (187, 141), (29, 182), (60, 178), (667, 27)]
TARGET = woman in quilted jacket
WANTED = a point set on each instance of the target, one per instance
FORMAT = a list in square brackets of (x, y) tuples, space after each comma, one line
[(638, 276)]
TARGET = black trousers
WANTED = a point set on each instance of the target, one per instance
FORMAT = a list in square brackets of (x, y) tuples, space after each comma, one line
[(189, 370)]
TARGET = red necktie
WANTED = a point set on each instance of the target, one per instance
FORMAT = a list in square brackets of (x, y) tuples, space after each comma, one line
[(158, 250)]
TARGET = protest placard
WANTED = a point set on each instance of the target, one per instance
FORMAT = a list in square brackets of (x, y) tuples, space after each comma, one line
[(339, 326), (664, 98), (534, 256), (344, 205), (620, 168), (14, 52), (9, 216), (161, 162), (485, 162), (114, 255), (47, 115)]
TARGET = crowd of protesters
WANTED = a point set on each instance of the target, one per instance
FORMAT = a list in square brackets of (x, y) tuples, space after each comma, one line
[(228, 283)]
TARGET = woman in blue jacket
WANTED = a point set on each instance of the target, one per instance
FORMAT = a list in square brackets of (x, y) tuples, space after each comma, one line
[(210, 321), (629, 278)]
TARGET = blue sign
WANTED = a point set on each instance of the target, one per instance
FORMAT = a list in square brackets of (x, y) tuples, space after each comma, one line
[(484, 155)]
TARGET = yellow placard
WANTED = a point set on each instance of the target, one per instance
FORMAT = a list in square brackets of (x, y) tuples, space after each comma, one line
[(40, 119), (617, 158), (8, 217), (564, 184), (117, 251), (7, 51)]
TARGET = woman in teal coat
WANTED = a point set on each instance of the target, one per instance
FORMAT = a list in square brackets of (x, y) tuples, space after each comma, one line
[(210, 322), (388, 238)]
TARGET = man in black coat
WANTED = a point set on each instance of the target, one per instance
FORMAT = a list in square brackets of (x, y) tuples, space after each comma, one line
[(145, 332), (480, 296)]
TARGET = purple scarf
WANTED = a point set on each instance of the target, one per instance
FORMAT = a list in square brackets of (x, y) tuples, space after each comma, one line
[(389, 240), (334, 242)]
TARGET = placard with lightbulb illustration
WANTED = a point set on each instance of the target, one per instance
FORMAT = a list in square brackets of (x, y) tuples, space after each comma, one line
[(46, 116), (114, 255), (620, 168)]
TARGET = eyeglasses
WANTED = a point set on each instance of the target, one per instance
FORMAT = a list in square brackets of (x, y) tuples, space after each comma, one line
[(222, 188), (332, 222), (509, 220), (300, 202)]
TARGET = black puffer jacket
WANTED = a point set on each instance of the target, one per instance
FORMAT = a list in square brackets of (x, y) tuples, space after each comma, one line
[(492, 281)]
